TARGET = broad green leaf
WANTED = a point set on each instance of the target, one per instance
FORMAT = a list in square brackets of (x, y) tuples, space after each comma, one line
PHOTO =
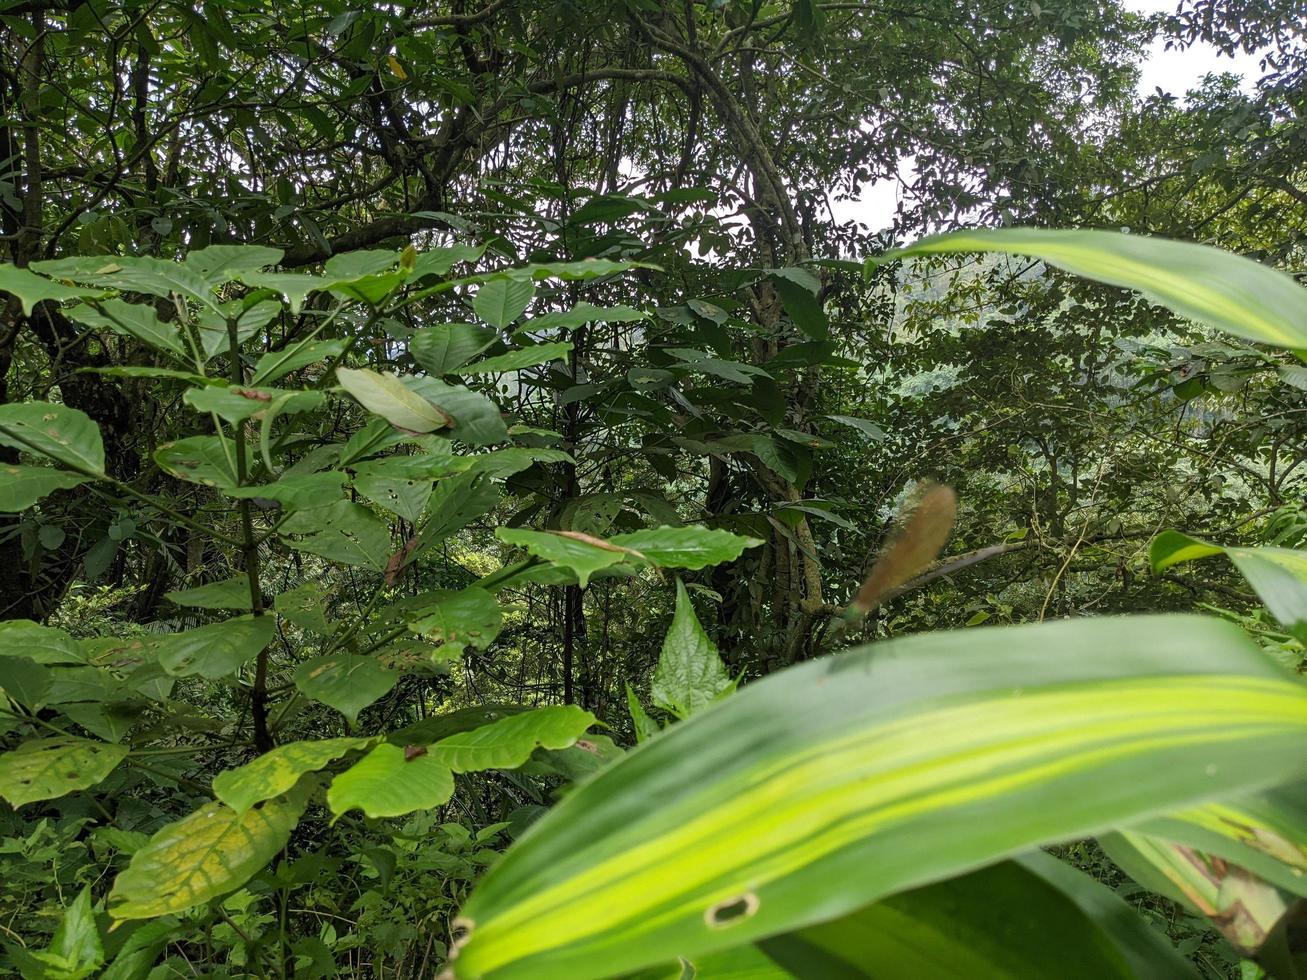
[(868, 428), (921, 758), (221, 263), (238, 403), (438, 261), (63, 434), (137, 320), (509, 742), (231, 593), (690, 675), (215, 337), (406, 498), (503, 463), (388, 396), (22, 486), (1277, 575), (278, 364), (1033, 917), (132, 273), (32, 289), (476, 420), (311, 490), (580, 315), (501, 301), (685, 547), (43, 644), (390, 781), (27, 682), (306, 607), (348, 533), (275, 772), (214, 651), (466, 617), (292, 285), (134, 371), (803, 307), (345, 681), (204, 855), (1209, 285), (454, 504), (47, 768), (518, 359), (581, 553), (444, 348), (206, 460)]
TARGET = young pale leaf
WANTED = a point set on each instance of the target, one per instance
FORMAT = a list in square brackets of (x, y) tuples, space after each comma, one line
[(388, 396), (921, 758), (581, 553), (209, 853), (63, 434), (685, 547), (47, 768), (214, 651), (690, 675), (345, 681), (1277, 575), (22, 486), (444, 348), (501, 301), (231, 593), (275, 772), (1205, 284)]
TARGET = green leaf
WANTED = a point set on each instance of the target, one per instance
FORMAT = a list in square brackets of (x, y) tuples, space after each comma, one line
[(63, 434), (27, 682), (444, 348), (466, 617), (390, 781), (1031, 917), (645, 727), (77, 940), (293, 286), (215, 338), (32, 289), (509, 742), (277, 771), (47, 768), (214, 651), (1277, 575), (868, 428), (388, 396), (581, 553), (580, 315), (476, 420), (803, 307), (1211, 286), (204, 855), (690, 675), (685, 547), (238, 403), (43, 644), (297, 492), (306, 607), (222, 263), (22, 486), (454, 504), (232, 593), (519, 359), (921, 758), (131, 273), (278, 364), (205, 460), (345, 681), (133, 320), (501, 301), (350, 534), (405, 497)]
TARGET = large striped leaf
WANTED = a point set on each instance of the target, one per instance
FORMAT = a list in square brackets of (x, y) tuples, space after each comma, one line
[(1277, 575), (1214, 287), (845, 780)]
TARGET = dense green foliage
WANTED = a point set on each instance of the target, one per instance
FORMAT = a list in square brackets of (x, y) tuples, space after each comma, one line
[(470, 507)]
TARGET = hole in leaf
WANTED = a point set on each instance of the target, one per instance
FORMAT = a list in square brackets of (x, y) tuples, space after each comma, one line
[(731, 910)]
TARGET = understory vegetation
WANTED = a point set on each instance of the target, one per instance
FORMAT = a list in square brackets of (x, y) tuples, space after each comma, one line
[(485, 494)]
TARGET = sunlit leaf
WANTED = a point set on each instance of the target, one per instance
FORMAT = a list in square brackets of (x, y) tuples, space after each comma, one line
[(275, 772), (47, 768)]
